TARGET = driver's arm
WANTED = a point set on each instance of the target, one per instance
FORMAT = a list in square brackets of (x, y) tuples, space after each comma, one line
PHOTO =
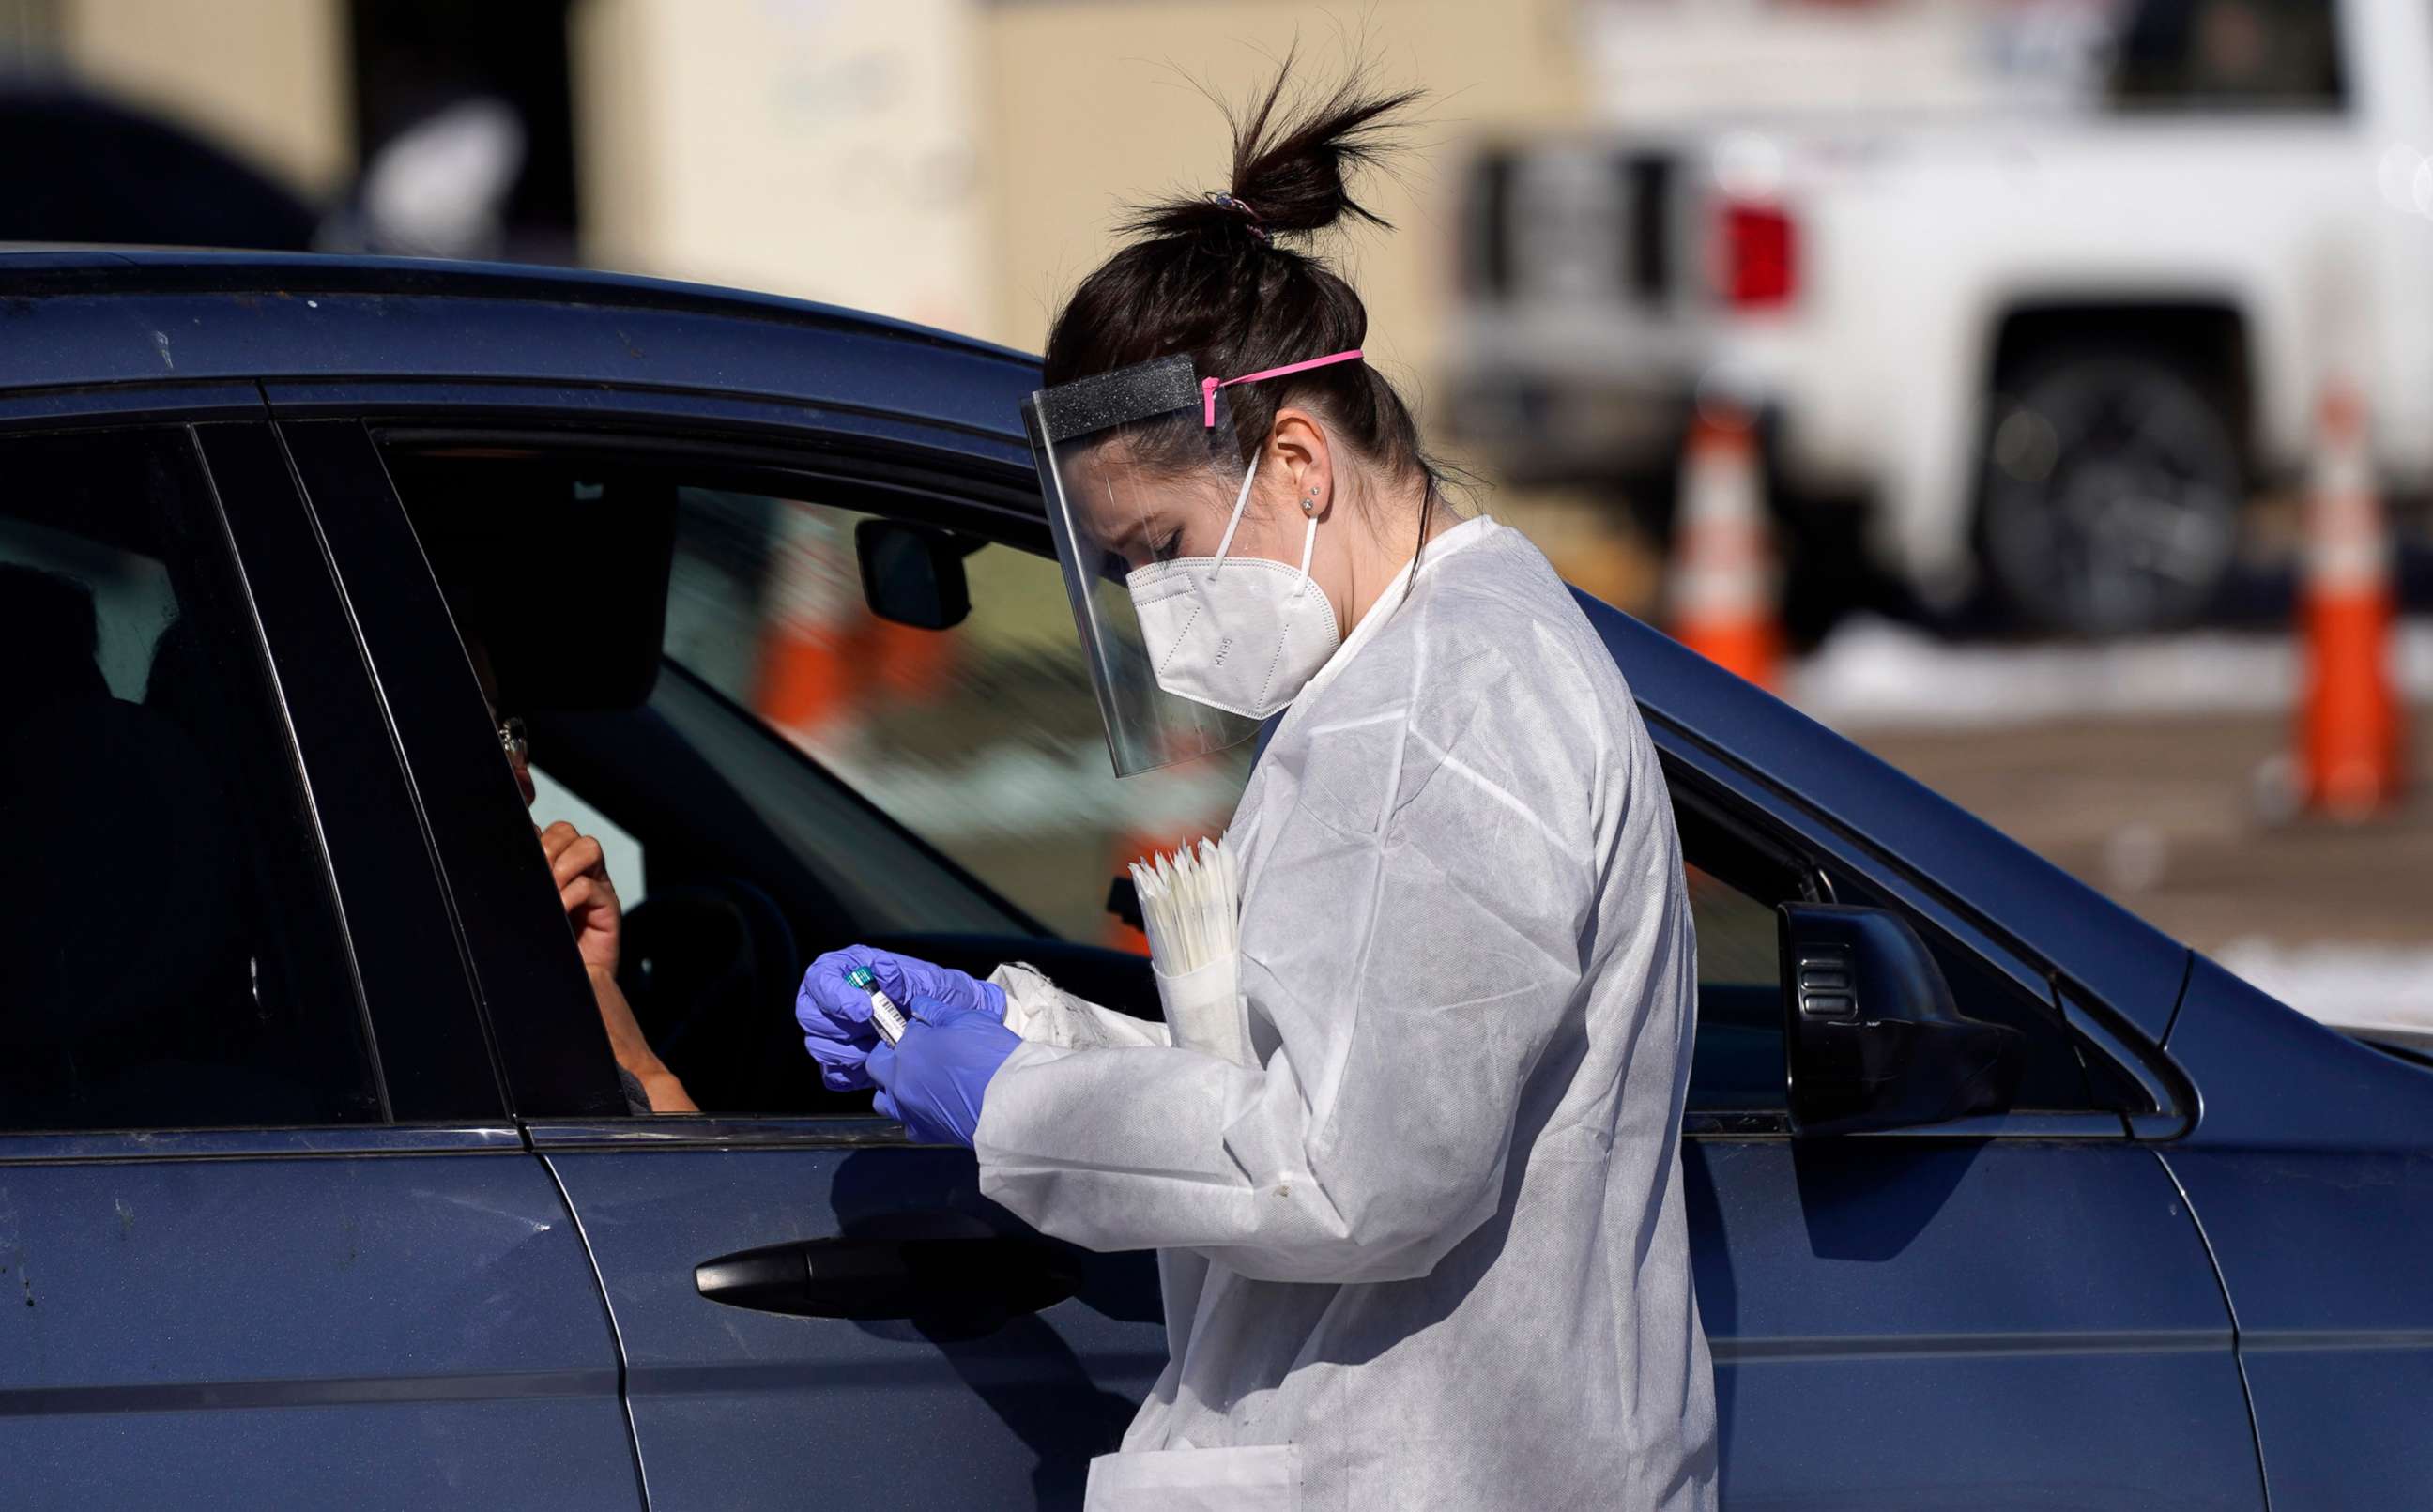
[(580, 868)]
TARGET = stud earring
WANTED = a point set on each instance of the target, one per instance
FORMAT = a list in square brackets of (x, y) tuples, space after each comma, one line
[(1309, 504)]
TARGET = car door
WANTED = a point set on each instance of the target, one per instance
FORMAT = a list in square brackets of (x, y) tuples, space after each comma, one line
[(809, 1308), (2018, 1310), (267, 1235), (2028, 1293)]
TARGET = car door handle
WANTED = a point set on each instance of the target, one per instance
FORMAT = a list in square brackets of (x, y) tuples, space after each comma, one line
[(942, 1277)]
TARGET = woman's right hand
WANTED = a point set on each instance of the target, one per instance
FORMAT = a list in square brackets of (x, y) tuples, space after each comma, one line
[(835, 1014)]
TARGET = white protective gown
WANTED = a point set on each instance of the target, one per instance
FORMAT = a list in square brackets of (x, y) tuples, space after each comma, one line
[(1430, 1249)]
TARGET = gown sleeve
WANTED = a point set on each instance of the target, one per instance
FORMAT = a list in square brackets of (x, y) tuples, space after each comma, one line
[(1044, 1013), (1415, 936)]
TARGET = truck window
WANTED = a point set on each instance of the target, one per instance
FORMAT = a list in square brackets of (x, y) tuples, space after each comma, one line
[(2227, 56)]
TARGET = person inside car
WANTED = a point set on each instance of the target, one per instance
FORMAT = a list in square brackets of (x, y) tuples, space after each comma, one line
[(580, 868)]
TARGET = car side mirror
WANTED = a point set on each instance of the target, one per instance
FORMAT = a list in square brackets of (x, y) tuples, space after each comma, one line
[(1871, 1037), (912, 575)]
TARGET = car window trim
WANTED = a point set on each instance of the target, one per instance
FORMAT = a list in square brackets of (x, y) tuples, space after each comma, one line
[(839, 470), (386, 888), (216, 488), (720, 1132), (2173, 1098), (2076, 1128), (549, 1055), (1760, 810), (114, 406)]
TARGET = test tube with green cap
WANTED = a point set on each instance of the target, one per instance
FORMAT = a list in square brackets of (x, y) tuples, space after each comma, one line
[(883, 1012)]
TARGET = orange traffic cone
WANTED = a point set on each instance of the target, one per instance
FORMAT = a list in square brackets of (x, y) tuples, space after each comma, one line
[(1723, 576), (909, 664), (810, 660), (2350, 725)]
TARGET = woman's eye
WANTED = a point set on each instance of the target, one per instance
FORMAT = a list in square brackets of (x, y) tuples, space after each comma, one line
[(1165, 551)]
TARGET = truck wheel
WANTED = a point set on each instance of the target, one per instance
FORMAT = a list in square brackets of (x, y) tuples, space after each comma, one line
[(2112, 490)]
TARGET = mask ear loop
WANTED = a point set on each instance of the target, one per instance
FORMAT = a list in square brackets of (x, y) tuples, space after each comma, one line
[(1234, 522), (1308, 544), (1225, 546)]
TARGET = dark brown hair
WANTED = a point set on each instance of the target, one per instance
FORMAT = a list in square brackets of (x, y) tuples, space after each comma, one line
[(1228, 281)]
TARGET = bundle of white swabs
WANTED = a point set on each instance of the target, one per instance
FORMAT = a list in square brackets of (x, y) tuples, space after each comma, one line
[(1188, 905)]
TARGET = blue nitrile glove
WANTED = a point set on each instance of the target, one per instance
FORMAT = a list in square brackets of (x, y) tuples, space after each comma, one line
[(934, 1080), (835, 1014)]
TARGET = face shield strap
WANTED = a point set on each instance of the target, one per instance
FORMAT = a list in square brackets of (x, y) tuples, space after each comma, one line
[(1208, 386)]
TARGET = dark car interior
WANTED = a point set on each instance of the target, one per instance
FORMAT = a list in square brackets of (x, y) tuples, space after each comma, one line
[(182, 997), (753, 846), (530, 553), (160, 963)]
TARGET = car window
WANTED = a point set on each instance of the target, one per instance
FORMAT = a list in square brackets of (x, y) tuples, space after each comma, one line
[(170, 955), (1736, 1063), (983, 739), (1734, 884), (2226, 55), (553, 802)]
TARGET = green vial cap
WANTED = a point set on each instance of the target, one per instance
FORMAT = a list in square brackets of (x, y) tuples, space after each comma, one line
[(860, 976)]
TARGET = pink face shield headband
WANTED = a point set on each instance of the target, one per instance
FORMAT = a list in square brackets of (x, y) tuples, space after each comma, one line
[(1208, 386)]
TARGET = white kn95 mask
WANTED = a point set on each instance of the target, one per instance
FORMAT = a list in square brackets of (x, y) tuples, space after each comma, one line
[(1242, 633)]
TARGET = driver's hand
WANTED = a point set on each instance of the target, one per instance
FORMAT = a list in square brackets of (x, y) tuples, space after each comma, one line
[(581, 869)]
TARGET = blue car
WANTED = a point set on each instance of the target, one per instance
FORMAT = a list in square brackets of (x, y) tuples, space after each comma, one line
[(318, 1184)]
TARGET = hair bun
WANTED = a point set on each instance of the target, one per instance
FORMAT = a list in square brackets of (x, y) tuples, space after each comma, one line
[(1294, 161), (1248, 215), (1211, 276)]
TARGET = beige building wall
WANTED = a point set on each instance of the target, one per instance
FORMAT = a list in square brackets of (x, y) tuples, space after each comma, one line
[(961, 162), (820, 150), (1093, 103), (267, 79)]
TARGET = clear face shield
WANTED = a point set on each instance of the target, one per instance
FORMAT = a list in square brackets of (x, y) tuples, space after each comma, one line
[(1189, 643)]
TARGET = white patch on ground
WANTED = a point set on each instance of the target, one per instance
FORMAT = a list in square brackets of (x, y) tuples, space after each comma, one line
[(2350, 985), (1871, 673)]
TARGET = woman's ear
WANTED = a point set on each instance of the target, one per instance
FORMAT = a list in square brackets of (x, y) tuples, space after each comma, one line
[(1297, 453)]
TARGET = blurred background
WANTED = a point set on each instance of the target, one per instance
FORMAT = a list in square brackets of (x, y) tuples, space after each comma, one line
[(2039, 391)]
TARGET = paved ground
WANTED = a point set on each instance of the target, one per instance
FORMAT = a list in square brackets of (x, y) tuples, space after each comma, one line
[(2164, 815)]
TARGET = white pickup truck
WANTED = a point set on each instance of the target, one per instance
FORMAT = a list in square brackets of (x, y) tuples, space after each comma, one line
[(2050, 352)]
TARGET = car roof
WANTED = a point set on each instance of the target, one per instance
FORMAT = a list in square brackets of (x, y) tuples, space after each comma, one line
[(85, 316), (303, 325), (36, 268)]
